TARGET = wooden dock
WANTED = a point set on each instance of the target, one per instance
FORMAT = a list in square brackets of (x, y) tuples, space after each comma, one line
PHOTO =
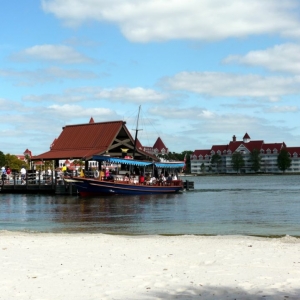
[(34, 184), (188, 185)]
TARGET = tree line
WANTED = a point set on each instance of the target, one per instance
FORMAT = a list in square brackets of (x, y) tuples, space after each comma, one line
[(12, 161)]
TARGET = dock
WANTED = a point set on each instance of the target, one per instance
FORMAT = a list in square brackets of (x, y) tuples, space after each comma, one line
[(34, 184)]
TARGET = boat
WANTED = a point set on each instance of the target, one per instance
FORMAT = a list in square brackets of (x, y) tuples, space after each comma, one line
[(93, 183)]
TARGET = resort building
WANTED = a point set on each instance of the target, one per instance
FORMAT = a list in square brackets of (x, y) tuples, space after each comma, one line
[(201, 160)]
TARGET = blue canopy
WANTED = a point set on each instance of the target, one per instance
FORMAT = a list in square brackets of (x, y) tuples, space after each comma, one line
[(116, 160), (169, 164), (132, 162)]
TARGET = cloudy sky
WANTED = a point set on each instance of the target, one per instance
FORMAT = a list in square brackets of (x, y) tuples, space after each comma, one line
[(202, 70)]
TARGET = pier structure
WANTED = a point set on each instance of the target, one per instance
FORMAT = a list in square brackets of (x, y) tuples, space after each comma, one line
[(37, 184)]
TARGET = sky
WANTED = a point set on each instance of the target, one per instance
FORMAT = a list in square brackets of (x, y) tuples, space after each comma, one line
[(201, 70)]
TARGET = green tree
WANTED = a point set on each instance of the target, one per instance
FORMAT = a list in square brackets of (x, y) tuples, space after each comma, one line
[(283, 160), (202, 167), (255, 160), (216, 160), (13, 162), (179, 156), (237, 161), (2, 159)]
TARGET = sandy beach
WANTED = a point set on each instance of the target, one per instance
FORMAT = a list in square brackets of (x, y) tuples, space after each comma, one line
[(97, 266)]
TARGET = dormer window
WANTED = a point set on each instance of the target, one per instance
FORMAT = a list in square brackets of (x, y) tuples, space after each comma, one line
[(200, 156), (268, 151), (275, 151), (219, 152), (212, 152)]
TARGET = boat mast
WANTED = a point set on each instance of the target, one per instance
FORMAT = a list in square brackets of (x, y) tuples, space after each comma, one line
[(136, 133)]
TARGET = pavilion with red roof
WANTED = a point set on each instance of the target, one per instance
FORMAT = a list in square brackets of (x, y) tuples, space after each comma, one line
[(82, 141)]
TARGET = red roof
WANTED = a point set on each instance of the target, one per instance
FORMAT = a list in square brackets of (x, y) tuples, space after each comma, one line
[(250, 145), (28, 152), (202, 152), (138, 144), (293, 150), (273, 146), (159, 145), (217, 148), (83, 140), (246, 136)]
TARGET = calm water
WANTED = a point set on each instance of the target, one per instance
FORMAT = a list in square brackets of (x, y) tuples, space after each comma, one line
[(252, 205)]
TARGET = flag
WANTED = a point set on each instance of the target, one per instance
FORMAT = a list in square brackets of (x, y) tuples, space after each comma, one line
[(184, 167)]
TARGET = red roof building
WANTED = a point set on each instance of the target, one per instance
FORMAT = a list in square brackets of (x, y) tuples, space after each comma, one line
[(268, 152), (82, 141)]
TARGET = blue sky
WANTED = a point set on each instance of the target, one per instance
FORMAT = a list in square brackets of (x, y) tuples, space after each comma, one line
[(202, 70)]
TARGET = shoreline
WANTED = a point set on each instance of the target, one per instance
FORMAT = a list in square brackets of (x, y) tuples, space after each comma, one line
[(125, 234), (102, 266)]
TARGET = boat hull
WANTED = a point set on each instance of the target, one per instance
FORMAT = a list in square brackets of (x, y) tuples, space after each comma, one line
[(92, 187)]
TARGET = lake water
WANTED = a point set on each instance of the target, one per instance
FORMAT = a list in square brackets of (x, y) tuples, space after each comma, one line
[(219, 205)]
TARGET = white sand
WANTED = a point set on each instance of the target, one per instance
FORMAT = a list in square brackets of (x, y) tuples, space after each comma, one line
[(96, 266)]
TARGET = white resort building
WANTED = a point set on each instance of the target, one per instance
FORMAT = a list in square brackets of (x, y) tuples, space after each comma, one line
[(201, 159)]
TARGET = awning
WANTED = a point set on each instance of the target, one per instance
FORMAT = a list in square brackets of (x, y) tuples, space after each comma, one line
[(115, 160), (131, 162), (171, 165)]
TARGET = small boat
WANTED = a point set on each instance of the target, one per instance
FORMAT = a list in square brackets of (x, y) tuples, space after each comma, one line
[(121, 184)]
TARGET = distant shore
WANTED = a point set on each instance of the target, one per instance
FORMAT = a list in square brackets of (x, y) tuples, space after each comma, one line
[(98, 266)]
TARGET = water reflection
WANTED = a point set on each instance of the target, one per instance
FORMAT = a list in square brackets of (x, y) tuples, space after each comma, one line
[(253, 206)]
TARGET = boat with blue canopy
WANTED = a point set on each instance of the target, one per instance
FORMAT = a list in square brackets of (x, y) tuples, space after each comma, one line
[(131, 177)]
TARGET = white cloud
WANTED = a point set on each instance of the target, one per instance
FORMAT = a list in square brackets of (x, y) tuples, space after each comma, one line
[(282, 109), (282, 58), (148, 20), (191, 113), (73, 111), (52, 53), (133, 95), (40, 76), (233, 85), (136, 95)]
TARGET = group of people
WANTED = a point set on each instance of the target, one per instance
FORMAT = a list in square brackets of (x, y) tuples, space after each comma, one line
[(162, 180), (6, 175)]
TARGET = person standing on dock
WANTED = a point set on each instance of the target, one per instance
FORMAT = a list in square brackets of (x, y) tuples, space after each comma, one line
[(23, 175), (8, 172), (64, 169), (3, 175)]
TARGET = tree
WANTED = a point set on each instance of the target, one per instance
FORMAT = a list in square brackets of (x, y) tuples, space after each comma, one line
[(179, 156), (14, 163), (2, 159), (216, 160), (237, 161), (255, 160), (283, 160), (202, 167)]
